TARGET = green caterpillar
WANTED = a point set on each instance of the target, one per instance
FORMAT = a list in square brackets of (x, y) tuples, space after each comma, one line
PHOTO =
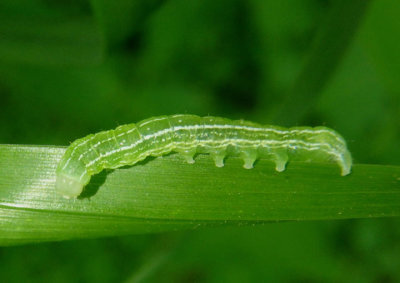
[(190, 134)]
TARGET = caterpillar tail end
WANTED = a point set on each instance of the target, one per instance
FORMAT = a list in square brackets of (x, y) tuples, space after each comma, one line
[(68, 187), (345, 163)]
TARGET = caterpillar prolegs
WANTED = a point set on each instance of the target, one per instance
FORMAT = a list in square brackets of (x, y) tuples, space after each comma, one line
[(190, 134)]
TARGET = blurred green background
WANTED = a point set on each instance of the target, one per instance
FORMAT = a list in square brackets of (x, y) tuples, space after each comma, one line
[(73, 67)]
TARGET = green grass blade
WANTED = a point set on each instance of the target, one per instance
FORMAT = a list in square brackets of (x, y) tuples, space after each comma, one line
[(326, 52), (168, 194), (49, 39)]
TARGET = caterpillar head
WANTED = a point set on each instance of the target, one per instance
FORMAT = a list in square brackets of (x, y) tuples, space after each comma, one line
[(68, 187)]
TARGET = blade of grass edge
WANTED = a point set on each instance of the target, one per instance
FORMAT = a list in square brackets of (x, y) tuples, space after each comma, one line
[(326, 52)]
